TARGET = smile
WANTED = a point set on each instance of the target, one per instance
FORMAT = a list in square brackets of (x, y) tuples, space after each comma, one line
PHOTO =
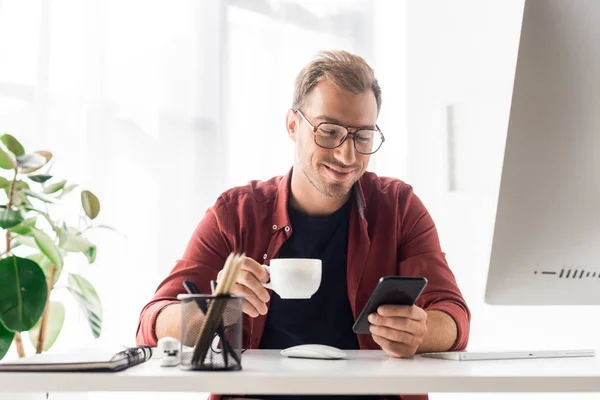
[(339, 175)]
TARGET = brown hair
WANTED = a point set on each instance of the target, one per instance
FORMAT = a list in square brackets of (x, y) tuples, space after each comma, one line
[(345, 70)]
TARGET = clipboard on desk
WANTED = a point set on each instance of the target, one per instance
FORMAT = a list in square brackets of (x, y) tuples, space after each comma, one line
[(80, 361)]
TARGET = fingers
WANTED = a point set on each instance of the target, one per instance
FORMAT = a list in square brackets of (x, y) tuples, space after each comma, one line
[(394, 349), (248, 285), (249, 280), (399, 330), (258, 270), (411, 312), (249, 309), (396, 336), (411, 326), (253, 306)]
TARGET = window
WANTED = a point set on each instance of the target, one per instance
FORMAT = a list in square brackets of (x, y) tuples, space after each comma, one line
[(267, 44)]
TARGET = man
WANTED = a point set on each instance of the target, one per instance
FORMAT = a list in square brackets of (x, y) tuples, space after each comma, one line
[(360, 225)]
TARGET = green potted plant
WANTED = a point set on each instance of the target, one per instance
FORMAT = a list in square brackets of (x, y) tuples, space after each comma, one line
[(35, 227)]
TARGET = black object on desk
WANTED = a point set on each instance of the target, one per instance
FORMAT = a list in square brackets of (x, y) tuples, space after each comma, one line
[(82, 361), (191, 288)]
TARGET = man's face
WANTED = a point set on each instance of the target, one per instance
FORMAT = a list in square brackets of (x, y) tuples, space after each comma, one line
[(332, 172)]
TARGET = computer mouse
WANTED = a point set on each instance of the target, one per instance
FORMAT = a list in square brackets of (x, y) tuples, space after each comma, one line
[(318, 351)]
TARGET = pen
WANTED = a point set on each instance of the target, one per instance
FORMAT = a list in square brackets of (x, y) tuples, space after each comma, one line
[(191, 288)]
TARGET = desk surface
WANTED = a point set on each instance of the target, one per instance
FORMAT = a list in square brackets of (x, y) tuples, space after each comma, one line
[(363, 372)]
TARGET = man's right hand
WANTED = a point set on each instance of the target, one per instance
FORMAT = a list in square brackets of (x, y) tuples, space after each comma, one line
[(249, 286)]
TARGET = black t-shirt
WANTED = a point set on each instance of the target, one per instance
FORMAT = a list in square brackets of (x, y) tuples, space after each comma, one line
[(325, 318)]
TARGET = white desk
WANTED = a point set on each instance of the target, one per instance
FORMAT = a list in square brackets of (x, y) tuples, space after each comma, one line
[(266, 372)]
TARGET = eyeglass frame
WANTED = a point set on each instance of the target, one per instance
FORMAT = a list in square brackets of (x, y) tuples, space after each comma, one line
[(348, 132)]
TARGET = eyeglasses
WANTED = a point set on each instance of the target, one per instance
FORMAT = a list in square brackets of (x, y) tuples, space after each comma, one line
[(329, 136)]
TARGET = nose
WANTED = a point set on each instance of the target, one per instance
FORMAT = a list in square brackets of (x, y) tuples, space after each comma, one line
[(345, 154)]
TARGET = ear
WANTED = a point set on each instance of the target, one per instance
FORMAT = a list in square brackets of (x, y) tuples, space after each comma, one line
[(291, 124)]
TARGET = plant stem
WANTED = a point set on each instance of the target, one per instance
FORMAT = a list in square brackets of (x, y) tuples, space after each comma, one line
[(42, 335), (19, 343), (11, 191), (8, 206), (18, 339)]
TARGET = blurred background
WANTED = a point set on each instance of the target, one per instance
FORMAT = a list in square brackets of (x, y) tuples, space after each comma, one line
[(158, 106)]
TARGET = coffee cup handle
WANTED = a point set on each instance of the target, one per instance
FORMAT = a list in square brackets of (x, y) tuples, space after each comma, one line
[(267, 285)]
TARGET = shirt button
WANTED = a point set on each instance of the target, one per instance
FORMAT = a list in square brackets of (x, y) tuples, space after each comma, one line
[(274, 227), (264, 256), (287, 228)]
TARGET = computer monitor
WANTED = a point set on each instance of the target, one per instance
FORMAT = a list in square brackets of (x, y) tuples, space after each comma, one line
[(546, 240)]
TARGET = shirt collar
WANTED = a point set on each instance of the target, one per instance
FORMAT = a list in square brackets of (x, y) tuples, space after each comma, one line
[(280, 215)]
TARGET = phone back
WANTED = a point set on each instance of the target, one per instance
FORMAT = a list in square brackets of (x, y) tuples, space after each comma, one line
[(391, 290)]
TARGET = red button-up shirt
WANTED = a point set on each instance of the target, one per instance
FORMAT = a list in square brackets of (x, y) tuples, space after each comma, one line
[(391, 233)]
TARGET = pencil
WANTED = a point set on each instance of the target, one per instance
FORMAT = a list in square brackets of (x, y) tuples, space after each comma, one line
[(214, 315)]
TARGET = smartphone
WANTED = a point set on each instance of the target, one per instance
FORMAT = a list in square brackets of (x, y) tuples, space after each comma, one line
[(395, 290)]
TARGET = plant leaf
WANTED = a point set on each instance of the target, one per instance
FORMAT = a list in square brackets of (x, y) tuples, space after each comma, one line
[(6, 338), (30, 222), (68, 189), (10, 218), (19, 198), (44, 264), (23, 293), (55, 187), (47, 157), (12, 144), (7, 160), (89, 301), (46, 154), (91, 254), (40, 178), (110, 228), (24, 228), (48, 248), (4, 183), (90, 203), (54, 323), (39, 196), (20, 185), (25, 241), (43, 214), (71, 240), (76, 243), (71, 230), (31, 160)]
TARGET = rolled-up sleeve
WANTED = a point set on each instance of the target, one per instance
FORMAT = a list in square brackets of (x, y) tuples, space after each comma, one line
[(420, 254), (202, 260)]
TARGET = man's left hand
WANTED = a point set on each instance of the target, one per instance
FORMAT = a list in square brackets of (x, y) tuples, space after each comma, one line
[(399, 330)]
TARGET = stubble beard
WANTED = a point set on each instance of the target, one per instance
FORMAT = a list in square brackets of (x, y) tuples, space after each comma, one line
[(333, 190)]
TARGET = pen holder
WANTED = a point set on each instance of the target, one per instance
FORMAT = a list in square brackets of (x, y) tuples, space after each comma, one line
[(211, 332)]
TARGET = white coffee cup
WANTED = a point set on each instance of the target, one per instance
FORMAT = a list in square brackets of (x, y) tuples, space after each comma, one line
[(294, 278)]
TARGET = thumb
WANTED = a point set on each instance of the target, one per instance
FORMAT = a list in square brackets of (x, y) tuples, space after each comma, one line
[(266, 275)]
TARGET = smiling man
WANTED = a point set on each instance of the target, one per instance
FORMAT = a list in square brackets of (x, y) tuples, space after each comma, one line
[(328, 207)]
